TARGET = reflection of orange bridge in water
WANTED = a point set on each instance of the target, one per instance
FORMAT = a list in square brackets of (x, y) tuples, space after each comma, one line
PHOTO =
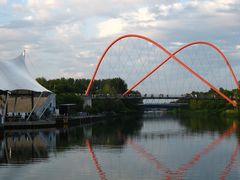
[(182, 169)]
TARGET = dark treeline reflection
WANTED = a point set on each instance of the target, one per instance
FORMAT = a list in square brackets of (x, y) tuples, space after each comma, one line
[(28, 146), (21, 146), (112, 132), (201, 123)]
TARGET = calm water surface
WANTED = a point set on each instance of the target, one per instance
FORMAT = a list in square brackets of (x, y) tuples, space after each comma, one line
[(151, 145)]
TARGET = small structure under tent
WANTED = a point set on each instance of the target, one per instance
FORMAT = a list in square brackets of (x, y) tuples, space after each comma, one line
[(22, 98)]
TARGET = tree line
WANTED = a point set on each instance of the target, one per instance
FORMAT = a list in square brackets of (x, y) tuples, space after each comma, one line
[(69, 90), (70, 85), (214, 103)]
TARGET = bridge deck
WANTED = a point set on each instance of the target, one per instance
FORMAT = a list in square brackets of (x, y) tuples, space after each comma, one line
[(163, 105), (156, 97)]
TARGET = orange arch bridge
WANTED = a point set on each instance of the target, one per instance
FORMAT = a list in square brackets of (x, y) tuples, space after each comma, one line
[(170, 56)]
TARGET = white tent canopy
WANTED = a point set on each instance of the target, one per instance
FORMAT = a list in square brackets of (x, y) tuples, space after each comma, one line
[(14, 75)]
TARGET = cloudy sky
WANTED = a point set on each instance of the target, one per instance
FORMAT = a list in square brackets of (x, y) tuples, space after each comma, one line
[(66, 37)]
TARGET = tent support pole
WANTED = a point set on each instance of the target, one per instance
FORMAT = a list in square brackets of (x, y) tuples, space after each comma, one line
[(5, 107), (15, 104), (34, 107), (32, 99)]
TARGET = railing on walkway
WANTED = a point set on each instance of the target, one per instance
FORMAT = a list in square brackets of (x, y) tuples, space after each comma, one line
[(156, 96), (42, 109)]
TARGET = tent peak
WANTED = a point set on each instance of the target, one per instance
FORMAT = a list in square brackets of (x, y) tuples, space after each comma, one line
[(24, 53)]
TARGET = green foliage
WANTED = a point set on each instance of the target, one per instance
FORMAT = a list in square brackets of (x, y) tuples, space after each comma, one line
[(108, 105), (70, 91), (204, 121), (217, 104), (70, 85), (64, 85), (70, 98), (109, 86)]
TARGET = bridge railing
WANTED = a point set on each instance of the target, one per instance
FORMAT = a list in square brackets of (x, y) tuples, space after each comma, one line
[(158, 96)]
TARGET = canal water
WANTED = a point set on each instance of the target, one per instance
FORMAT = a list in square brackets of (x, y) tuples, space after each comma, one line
[(151, 145)]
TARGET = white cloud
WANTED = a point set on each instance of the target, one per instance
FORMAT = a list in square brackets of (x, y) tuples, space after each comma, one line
[(143, 14), (18, 7), (68, 30), (130, 21), (178, 6), (85, 54), (42, 10), (204, 6), (29, 47), (111, 27), (28, 18), (78, 31), (10, 34), (75, 75), (142, 17), (165, 10), (213, 6), (177, 43), (42, 4), (3, 2), (193, 3), (220, 4), (126, 21)]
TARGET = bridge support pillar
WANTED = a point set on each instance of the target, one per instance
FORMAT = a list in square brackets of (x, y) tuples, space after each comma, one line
[(87, 101)]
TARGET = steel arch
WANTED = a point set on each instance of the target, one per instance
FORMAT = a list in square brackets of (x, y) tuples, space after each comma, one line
[(170, 56)]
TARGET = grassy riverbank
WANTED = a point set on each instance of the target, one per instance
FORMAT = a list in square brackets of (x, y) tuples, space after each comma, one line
[(222, 113)]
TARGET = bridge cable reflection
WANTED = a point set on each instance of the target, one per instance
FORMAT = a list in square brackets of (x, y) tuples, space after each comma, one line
[(186, 166), (139, 149), (207, 149), (99, 170), (232, 161)]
